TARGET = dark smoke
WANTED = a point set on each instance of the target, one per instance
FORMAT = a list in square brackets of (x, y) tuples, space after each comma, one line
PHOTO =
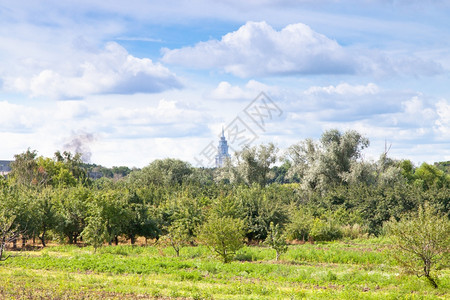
[(79, 143)]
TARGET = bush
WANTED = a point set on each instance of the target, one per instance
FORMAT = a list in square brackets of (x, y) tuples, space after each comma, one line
[(299, 226), (354, 231), (325, 230), (276, 240), (421, 242), (223, 235)]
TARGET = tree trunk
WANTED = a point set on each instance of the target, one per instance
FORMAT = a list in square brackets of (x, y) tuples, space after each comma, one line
[(432, 281), (426, 270), (2, 248), (42, 238), (116, 240), (14, 243)]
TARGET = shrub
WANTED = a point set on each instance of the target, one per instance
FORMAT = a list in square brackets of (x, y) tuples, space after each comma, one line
[(300, 225), (354, 231), (325, 230), (223, 235), (276, 240), (421, 242)]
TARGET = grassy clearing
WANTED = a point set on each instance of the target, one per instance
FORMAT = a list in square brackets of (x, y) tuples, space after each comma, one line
[(341, 270)]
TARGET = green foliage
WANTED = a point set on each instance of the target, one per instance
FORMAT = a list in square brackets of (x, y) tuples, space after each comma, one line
[(95, 232), (24, 168), (8, 231), (300, 224), (44, 214), (224, 236), (253, 165), (113, 207), (325, 230), (177, 236), (186, 212), (258, 207), (326, 164), (421, 242), (359, 269), (166, 172), (444, 166), (72, 211), (407, 169), (338, 194), (430, 176), (276, 240)]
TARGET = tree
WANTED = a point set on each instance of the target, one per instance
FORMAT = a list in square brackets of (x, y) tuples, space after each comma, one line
[(165, 172), (421, 242), (429, 176), (44, 213), (253, 165), (74, 164), (223, 235), (276, 240), (185, 213), (327, 163), (24, 169), (177, 236), (72, 211), (95, 231), (8, 232), (114, 211), (258, 207), (300, 224)]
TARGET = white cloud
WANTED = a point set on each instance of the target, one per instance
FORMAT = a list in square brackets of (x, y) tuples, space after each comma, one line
[(49, 127), (443, 121), (406, 120), (110, 71), (344, 89), (18, 118), (252, 88), (257, 49)]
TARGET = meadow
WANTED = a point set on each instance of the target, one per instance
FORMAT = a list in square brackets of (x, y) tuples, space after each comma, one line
[(353, 269)]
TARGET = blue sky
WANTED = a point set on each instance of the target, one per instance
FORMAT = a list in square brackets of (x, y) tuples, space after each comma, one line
[(130, 82)]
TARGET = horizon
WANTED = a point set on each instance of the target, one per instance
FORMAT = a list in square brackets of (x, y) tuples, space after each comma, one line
[(129, 84)]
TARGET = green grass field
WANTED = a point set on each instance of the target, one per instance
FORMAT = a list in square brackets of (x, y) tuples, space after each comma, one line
[(358, 269)]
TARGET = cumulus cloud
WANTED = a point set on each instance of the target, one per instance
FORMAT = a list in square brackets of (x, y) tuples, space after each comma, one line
[(110, 71), (258, 49), (381, 113), (19, 118), (344, 89), (88, 125), (442, 124), (227, 91)]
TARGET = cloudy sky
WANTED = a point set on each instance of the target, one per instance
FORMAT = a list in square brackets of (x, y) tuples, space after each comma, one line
[(127, 82)]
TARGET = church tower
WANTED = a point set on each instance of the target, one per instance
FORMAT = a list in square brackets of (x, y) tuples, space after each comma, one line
[(222, 151)]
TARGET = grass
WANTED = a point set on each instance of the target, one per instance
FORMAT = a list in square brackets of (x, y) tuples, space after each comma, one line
[(358, 269)]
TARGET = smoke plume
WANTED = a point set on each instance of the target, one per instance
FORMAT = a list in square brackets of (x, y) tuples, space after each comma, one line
[(79, 143)]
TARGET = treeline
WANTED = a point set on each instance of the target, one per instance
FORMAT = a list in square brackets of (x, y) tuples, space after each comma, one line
[(323, 190)]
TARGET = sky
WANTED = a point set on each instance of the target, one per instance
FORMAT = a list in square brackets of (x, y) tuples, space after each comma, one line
[(128, 82)]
